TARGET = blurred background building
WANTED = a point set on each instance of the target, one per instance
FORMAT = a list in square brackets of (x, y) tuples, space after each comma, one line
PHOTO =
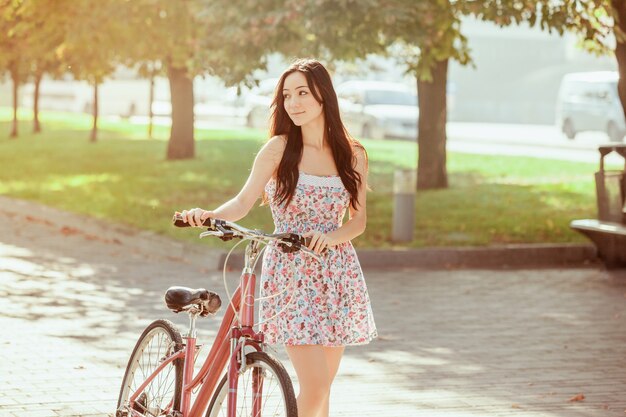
[(517, 73)]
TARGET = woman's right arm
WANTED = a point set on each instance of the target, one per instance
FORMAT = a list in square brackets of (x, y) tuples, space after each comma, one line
[(265, 164)]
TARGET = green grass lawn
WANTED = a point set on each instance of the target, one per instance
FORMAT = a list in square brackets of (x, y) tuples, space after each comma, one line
[(126, 179)]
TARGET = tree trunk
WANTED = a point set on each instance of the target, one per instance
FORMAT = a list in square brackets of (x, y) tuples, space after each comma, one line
[(151, 100), (36, 123), (431, 163), (619, 11), (16, 83), (94, 128), (181, 143)]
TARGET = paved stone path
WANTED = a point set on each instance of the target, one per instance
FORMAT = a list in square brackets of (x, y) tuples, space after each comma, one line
[(75, 294)]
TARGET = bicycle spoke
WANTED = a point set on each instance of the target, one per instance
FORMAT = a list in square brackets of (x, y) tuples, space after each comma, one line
[(157, 398), (276, 385), (245, 391), (274, 398)]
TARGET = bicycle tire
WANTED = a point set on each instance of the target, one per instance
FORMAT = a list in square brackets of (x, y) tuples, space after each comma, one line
[(217, 405), (169, 341)]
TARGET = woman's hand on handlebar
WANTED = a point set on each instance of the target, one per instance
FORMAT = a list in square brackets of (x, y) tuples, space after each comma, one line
[(319, 241), (196, 216)]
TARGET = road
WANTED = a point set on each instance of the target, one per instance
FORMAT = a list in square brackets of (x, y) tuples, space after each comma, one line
[(540, 141)]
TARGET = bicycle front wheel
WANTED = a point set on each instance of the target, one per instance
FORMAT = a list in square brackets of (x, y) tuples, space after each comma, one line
[(162, 394), (264, 389)]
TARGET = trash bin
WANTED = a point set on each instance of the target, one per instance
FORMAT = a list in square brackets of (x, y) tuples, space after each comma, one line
[(611, 188), (404, 184)]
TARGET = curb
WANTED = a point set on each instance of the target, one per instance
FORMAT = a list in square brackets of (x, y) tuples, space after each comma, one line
[(493, 257)]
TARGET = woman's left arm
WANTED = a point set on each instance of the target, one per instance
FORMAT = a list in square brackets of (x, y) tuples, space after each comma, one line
[(357, 216)]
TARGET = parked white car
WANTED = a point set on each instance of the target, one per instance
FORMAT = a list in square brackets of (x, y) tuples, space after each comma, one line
[(588, 101), (378, 110)]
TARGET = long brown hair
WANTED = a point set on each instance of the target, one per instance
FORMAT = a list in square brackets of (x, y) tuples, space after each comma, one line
[(341, 143)]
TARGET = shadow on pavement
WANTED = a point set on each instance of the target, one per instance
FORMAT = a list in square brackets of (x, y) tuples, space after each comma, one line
[(452, 343)]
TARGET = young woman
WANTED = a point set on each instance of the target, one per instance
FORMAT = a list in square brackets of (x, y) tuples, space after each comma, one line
[(310, 172)]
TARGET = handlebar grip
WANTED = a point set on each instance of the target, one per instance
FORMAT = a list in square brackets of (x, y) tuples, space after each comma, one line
[(177, 221), (305, 241)]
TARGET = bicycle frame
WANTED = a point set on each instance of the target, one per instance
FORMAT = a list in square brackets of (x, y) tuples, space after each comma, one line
[(236, 327), (220, 355)]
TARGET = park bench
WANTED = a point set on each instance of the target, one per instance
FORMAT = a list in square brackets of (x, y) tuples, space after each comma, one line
[(608, 232)]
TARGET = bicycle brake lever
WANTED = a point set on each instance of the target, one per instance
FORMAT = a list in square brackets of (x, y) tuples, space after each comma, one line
[(291, 243), (210, 233), (227, 234), (295, 242)]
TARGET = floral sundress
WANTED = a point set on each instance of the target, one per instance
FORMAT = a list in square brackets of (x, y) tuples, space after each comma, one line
[(304, 301)]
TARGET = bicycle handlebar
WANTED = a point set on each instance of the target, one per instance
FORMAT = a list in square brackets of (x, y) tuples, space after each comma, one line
[(177, 220), (225, 230)]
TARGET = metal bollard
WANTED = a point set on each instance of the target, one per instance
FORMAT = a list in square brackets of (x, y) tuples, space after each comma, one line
[(404, 183)]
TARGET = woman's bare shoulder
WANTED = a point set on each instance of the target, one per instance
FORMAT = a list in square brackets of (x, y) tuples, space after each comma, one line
[(278, 142), (273, 149)]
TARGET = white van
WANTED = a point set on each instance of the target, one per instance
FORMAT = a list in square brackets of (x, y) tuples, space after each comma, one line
[(588, 101)]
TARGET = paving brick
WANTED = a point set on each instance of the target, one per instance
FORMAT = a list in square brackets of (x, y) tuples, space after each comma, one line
[(34, 413)]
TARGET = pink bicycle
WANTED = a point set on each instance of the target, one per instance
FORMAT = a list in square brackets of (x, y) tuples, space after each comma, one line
[(239, 378)]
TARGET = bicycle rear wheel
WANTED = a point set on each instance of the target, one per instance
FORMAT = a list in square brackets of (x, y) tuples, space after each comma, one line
[(276, 397), (162, 395)]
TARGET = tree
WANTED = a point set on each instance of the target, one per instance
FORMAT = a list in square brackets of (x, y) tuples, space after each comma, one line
[(145, 45), (425, 35), (172, 35), (12, 41), (429, 33), (150, 70), (166, 34), (95, 39), (44, 24), (228, 39), (617, 9)]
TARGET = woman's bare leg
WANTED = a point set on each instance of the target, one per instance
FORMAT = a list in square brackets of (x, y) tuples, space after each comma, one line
[(333, 359), (314, 378)]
